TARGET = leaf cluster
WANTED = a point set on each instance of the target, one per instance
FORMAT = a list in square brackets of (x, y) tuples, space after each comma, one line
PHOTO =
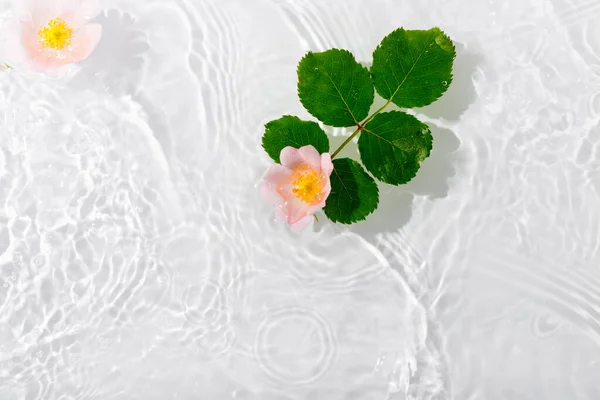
[(411, 68)]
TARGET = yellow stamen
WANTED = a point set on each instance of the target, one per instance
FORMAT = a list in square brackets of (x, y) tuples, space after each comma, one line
[(308, 185), (56, 35)]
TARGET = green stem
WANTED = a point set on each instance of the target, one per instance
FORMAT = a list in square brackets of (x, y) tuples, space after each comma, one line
[(376, 112), (335, 153), (360, 126)]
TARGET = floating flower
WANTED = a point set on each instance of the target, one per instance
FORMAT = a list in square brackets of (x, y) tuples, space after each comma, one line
[(299, 186), (48, 34)]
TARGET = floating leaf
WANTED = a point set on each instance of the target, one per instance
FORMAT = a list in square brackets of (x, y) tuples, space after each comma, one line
[(393, 145), (413, 68), (334, 88), (354, 194), (292, 131)]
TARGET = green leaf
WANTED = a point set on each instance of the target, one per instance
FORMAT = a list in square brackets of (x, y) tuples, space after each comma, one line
[(413, 68), (354, 194), (334, 88), (393, 145), (292, 131)]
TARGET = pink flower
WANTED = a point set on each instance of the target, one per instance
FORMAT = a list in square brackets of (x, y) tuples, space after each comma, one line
[(299, 186), (48, 34)]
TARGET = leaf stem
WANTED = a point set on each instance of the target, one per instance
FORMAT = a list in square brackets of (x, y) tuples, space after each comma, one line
[(348, 140), (377, 112), (360, 127)]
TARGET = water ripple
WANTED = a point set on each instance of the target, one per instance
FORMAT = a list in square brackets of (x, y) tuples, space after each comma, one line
[(314, 346)]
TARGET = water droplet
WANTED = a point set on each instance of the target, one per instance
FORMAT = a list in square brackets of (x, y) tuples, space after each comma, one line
[(445, 83)]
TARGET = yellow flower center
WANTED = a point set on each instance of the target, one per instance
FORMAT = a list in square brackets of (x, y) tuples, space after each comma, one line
[(56, 35), (308, 184)]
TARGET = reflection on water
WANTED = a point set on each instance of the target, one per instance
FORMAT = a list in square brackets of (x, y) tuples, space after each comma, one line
[(138, 262)]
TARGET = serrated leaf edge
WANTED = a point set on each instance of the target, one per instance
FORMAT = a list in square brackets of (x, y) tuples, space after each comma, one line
[(266, 126), (376, 203), (419, 161), (434, 39), (311, 53)]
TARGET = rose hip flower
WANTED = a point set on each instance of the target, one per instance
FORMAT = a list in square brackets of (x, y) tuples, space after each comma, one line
[(299, 186), (48, 34)]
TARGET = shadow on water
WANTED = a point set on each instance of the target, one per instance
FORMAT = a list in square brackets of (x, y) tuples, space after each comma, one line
[(395, 202), (118, 64), (118, 61), (461, 93)]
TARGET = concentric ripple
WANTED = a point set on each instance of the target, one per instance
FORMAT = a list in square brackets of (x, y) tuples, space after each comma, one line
[(295, 346)]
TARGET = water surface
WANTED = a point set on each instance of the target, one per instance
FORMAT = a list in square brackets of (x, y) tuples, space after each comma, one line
[(138, 262)]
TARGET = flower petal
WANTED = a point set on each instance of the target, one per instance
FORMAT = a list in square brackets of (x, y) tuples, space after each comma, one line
[(42, 12), (319, 206), (37, 58), (311, 157), (290, 157), (11, 34), (303, 223), (280, 214), (295, 210), (269, 193), (326, 191), (297, 213), (90, 9), (85, 41), (22, 9), (78, 16), (326, 164), (276, 173)]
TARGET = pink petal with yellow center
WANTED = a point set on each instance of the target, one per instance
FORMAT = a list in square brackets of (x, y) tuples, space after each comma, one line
[(281, 185), (38, 58)]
